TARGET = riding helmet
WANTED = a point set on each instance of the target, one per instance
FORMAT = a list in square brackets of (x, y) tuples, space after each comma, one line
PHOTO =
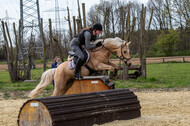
[(97, 26)]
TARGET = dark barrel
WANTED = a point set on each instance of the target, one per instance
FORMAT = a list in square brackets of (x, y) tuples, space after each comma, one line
[(80, 109)]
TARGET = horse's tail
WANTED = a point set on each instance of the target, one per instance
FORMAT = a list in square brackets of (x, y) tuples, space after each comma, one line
[(46, 79)]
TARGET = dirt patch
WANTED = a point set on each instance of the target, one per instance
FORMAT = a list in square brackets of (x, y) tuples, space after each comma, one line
[(158, 109), (3, 67)]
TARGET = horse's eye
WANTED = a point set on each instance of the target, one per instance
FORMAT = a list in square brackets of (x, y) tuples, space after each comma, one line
[(125, 51)]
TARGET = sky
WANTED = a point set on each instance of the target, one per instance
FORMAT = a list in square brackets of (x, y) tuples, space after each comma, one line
[(10, 9)]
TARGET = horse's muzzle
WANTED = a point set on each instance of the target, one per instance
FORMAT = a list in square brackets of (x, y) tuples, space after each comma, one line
[(128, 64)]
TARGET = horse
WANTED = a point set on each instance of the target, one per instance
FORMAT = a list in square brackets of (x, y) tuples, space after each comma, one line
[(99, 60)]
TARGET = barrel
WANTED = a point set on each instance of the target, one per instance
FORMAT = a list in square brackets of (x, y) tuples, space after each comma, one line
[(83, 109)]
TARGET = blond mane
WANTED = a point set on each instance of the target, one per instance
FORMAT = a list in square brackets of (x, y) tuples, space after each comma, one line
[(111, 41)]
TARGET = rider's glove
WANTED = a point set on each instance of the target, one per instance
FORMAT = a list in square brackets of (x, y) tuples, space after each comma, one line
[(98, 44)]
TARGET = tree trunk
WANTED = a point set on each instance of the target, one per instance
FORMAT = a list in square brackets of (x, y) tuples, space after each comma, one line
[(128, 25), (7, 52), (16, 54), (11, 52)]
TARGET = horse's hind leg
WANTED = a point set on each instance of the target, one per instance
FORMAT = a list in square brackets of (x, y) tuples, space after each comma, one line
[(60, 86), (62, 91)]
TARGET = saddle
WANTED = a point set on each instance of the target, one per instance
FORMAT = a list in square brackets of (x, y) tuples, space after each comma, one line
[(72, 63), (75, 57)]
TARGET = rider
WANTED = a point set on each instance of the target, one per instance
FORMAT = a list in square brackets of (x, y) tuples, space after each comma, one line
[(84, 38)]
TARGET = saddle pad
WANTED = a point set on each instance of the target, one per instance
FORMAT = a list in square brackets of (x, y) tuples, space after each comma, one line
[(72, 64)]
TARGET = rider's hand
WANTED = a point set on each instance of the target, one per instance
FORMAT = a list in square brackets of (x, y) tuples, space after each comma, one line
[(99, 44)]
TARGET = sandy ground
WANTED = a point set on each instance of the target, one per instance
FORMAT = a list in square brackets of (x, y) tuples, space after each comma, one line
[(158, 109)]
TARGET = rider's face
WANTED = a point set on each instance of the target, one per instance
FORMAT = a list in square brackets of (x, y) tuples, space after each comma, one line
[(98, 32)]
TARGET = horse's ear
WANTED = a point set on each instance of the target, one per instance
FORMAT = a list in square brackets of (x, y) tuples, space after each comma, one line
[(127, 43)]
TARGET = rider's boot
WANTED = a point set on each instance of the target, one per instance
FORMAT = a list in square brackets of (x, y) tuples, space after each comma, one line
[(77, 69)]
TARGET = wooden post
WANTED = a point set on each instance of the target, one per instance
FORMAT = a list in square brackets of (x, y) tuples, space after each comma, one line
[(183, 59), (74, 26), (78, 25), (125, 75), (79, 18), (70, 29), (143, 41), (84, 15), (44, 46), (50, 39)]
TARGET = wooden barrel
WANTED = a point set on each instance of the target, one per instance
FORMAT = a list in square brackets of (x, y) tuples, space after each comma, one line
[(80, 109), (91, 84)]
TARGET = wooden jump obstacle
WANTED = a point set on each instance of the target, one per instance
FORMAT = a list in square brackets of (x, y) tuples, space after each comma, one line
[(136, 74), (82, 108), (91, 84)]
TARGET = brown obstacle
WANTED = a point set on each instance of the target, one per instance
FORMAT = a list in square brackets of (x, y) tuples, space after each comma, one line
[(91, 84), (83, 109)]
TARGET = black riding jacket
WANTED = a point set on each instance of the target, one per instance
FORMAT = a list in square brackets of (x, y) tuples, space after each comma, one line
[(84, 38)]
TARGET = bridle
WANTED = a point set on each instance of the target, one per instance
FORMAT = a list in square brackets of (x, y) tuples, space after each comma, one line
[(122, 57)]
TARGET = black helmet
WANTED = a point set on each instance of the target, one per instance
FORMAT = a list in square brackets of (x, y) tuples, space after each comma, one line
[(97, 26)]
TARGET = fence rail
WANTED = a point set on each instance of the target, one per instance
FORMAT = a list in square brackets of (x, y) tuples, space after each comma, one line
[(136, 61)]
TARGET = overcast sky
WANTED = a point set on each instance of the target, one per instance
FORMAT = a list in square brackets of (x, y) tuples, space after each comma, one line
[(13, 6), (13, 9)]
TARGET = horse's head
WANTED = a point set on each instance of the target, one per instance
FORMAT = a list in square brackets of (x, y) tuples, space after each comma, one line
[(121, 47), (124, 53)]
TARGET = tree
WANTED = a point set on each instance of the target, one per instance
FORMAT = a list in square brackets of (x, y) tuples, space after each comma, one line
[(167, 42)]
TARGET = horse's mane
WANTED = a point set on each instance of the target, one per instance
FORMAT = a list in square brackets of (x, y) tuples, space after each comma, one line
[(112, 41)]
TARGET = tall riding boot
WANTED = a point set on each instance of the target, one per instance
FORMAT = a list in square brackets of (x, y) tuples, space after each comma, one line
[(77, 69)]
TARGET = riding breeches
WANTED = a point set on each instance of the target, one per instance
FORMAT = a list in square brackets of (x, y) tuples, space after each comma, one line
[(76, 48)]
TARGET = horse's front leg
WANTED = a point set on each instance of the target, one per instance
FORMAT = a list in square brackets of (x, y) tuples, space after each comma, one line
[(113, 64), (116, 68), (103, 66)]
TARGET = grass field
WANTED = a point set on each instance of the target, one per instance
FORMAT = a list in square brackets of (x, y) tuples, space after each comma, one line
[(161, 75)]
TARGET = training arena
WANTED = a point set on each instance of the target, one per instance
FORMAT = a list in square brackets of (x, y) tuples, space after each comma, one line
[(158, 108)]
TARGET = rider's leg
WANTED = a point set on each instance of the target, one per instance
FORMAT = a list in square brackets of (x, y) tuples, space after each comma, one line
[(79, 63), (77, 69)]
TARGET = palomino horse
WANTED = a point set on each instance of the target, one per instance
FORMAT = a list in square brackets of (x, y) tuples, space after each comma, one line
[(99, 60)]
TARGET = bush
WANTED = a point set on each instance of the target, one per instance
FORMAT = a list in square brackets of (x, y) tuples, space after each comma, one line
[(167, 42)]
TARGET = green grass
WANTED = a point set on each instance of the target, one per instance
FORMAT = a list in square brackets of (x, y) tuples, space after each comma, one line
[(160, 75), (6, 84), (3, 62)]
